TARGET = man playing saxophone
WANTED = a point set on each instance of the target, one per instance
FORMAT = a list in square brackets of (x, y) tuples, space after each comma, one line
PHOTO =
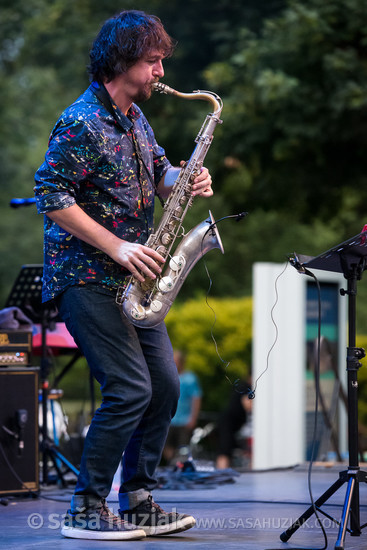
[(96, 187)]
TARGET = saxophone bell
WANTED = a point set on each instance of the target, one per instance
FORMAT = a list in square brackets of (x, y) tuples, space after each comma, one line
[(146, 310)]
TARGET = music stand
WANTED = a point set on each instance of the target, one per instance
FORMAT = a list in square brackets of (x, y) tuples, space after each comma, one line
[(26, 294), (349, 258)]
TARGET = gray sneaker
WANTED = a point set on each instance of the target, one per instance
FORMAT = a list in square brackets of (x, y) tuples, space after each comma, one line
[(150, 517), (99, 523)]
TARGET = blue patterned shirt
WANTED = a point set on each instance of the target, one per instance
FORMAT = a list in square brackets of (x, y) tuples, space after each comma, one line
[(92, 161)]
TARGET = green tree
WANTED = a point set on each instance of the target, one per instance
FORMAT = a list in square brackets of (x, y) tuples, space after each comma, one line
[(296, 112)]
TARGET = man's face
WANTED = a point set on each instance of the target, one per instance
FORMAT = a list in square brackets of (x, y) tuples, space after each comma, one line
[(139, 78)]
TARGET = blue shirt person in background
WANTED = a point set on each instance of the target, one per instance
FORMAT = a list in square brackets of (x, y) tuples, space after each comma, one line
[(188, 408)]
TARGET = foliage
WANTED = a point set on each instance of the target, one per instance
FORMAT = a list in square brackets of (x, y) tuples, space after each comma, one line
[(221, 362), (296, 111)]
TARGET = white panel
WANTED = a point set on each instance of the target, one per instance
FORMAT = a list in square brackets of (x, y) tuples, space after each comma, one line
[(279, 404)]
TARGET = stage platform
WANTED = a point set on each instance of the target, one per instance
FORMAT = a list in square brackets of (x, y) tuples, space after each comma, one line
[(248, 514)]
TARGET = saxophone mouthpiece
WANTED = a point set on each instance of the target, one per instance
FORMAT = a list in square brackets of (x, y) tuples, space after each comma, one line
[(160, 87)]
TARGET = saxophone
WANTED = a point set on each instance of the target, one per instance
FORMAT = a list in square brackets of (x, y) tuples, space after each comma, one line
[(147, 303)]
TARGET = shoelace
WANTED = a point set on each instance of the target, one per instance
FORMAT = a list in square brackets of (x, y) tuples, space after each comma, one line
[(154, 505), (105, 511)]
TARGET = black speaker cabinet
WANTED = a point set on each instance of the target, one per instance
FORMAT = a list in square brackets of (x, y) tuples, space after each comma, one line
[(19, 469)]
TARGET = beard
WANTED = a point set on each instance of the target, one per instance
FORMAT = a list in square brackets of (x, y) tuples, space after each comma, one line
[(143, 94)]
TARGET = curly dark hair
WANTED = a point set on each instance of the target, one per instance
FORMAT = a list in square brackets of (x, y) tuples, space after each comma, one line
[(123, 40)]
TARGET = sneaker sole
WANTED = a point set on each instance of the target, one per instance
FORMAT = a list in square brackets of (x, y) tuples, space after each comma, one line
[(90, 534), (170, 528)]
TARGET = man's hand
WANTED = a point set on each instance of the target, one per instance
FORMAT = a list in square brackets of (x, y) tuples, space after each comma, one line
[(140, 260), (202, 185)]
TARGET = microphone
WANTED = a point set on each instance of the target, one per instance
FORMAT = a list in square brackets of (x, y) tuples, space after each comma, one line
[(240, 216), (21, 420), (16, 203), (296, 263)]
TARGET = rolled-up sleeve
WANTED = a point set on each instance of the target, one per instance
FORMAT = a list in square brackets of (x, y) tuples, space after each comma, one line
[(70, 158)]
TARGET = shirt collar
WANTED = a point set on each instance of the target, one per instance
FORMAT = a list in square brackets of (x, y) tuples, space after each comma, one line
[(125, 121)]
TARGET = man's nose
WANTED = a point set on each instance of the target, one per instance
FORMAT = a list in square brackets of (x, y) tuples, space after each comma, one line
[(158, 69)]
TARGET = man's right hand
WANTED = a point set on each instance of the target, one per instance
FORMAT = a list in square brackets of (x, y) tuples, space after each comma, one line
[(139, 259)]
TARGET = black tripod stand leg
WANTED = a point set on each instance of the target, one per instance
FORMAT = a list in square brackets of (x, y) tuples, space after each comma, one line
[(284, 537)]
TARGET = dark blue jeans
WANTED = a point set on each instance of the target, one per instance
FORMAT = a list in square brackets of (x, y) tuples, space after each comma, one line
[(140, 390)]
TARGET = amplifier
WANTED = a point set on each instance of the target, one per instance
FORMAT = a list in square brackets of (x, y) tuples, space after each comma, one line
[(19, 430), (15, 347), (13, 358)]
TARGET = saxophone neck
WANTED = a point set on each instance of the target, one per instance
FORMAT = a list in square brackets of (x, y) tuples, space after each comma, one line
[(206, 95)]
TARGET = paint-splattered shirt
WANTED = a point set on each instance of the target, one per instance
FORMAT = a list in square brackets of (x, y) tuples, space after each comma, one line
[(91, 161)]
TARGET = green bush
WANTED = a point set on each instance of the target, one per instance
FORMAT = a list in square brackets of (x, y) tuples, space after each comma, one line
[(215, 335)]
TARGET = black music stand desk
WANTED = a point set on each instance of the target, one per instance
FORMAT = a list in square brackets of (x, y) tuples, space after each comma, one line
[(349, 258)]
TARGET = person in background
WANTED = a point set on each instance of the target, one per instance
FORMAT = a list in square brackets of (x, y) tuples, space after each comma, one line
[(231, 420), (188, 408)]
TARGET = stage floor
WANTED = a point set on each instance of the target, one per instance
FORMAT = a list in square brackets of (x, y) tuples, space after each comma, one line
[(250, 514)]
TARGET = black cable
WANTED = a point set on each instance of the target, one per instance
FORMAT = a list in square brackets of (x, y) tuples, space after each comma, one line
[(235, 383), (317, 366), (249, 501), (317, 396), (14, 473), (28, 491), (237, 218)]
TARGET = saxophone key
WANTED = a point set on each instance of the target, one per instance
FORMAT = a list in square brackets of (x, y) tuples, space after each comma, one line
[(156, 306), (177, 262), (166, 238), (161, 250), (171, 225), (138, 312), (165, 284)]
